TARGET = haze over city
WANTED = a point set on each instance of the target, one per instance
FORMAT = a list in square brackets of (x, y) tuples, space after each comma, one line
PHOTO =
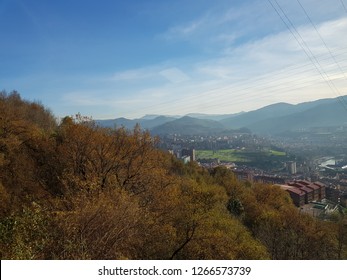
[(131, 58)]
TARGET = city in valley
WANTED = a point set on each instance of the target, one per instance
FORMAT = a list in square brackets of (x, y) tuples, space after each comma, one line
[(295, 147), (173, 130), (310, 165), (171, 187)]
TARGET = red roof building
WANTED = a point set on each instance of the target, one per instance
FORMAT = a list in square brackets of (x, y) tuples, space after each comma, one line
[(297, 195), (322, 189), (303, 192), (308, 191)]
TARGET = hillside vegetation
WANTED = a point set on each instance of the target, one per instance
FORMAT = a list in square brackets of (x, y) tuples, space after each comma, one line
[(74, 190)]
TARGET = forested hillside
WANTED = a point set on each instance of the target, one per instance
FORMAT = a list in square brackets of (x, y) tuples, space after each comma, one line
[(73, 190)]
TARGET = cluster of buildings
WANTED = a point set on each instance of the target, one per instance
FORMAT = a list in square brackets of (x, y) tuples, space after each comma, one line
[(258, 176), (301, 191), (213, 163), (186, 155), (304, 192)]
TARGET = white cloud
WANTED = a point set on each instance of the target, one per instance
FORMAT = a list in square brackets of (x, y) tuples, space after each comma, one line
[(174, 75), (273, 68), (134, 74), (225, 38), (183, 31), (187, 29), (102, 97)]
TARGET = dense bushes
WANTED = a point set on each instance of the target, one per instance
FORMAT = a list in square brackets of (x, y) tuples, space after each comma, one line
[(77, 191)]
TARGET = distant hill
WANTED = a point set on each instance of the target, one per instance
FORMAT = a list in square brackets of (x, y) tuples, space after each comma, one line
[(189, 126), (214, 117), (280, 117), (145, 123), (272, 119), (150, 121), (243, 120), (271, 111), (117, 123), (152, 117), (331, 114), (149, 124)]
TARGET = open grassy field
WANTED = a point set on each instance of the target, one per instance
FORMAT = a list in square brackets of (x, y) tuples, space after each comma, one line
[(223, 155), (277, 153), (233, 155)]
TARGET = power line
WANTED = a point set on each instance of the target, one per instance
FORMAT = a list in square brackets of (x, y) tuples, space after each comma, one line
[(308, 52), (289, 71), (323, 41), (244, 93), (242, 90), (344, 6), (217, 91)]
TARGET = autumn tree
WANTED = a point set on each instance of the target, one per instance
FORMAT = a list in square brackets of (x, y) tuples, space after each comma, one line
[(75, 190)]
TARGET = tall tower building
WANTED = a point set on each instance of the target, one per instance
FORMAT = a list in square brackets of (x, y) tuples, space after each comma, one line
[(291, 167), (190, 153)]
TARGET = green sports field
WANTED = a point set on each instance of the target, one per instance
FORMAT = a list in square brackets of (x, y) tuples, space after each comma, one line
[(232, 155)]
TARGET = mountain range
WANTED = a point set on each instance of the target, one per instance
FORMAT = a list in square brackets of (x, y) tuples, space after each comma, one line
[(270, 120)]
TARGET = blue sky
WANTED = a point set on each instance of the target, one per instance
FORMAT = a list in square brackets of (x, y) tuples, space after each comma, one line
[(109, 59)]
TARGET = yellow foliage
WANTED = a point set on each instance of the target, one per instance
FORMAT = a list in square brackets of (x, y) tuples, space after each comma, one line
[(79, 191)]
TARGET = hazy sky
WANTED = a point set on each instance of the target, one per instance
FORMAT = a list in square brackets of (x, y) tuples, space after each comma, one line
[(114, 58)]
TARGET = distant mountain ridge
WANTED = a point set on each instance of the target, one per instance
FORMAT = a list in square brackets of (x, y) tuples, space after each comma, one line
[(325, 115), (145, 122), (189, 126), (272, 119)]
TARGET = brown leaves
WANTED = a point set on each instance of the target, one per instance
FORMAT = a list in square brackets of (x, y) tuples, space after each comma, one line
[(78, 191), (100, 227)]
